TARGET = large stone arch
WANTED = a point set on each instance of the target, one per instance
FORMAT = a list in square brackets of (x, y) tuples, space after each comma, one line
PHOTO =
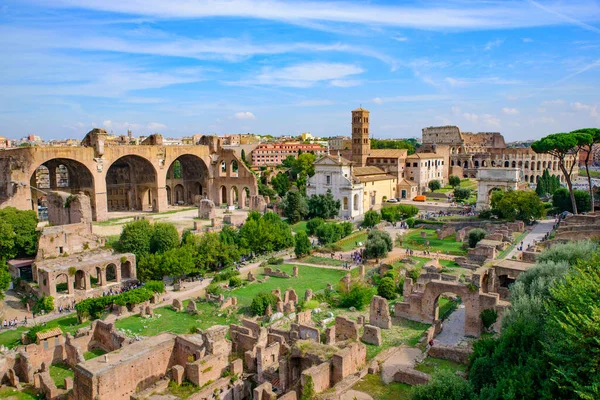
[(495, 178), (131, 184), (421, 302), (47, 177), (191, 174)]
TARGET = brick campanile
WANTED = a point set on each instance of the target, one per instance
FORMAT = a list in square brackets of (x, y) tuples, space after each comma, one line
[(361, 144)]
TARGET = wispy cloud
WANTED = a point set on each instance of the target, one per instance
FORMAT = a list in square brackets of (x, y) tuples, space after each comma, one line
[(455, 15), (244, 115), (510, 111), (481, 81), (303, 75), (527, 40), (314, 103), (410, 98), (493, 43)]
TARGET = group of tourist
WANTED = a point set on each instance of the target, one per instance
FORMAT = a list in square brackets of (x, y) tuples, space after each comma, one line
[(13, 323), (358, 256), (128, 287)]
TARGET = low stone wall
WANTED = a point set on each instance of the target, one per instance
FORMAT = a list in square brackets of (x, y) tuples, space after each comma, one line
[(320, 375), (452, 353), (411, 376)]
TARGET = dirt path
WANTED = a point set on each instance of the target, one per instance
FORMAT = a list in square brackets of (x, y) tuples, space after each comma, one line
[(453, 331)]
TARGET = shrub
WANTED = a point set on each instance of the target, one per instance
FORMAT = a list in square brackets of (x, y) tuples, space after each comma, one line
[(235, 281), (461, 193), (443, 385), (44, 303), (328, 233), (311, 304), (413, 274), (371, 219), (378, 244), (488, 317), (225, 275), (454, 181), (486, 214), (387, 288), (313, 224), (434, 185), (347, 228), (214, 289), (155, 286), (410, 222), (475, 236), (261, 301), (358, 296), (275, 261), (302, 246)]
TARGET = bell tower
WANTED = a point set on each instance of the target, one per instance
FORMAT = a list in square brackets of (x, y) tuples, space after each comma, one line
[(361, 144)]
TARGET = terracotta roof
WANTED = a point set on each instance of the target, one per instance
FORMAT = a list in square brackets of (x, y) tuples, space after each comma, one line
[(424, 156), (49, 333), (388, 153), (373, 178), (359, 171), (403, 181), (360, 109)]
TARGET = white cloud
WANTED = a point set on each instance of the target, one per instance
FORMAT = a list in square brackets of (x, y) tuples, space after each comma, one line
[(455, 110), (483, 120), (510, 111), (557, 102), (345, 82), (155, 126), (592, 110), (461, 15), (471, 117), (493, 43), (305, 75), (410, 98), (400, 38), (244, 115), (493, 80), (527, 40)]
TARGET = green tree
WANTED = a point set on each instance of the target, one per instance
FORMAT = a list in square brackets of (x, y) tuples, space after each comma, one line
[(5, 278), (462, 193), (243, 156), (328, 233), (573, 331), (398, 212), (387, 288), (475, 236), (323, 206), (164, 237), (214, 254), (261, 301), (359, 295), (294, 206), (302, 247), (594, 134), (379, 243), (562, 202), (562, 146), (454, 181), (434, 185), (524, 205), (313, 224), (393, 144), (24, 225), (444, 385), (371, 219), (8, 248), (135, 237), (281, 183)]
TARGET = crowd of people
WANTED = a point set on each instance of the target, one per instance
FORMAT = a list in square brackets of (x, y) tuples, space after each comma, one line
[(123, 289)]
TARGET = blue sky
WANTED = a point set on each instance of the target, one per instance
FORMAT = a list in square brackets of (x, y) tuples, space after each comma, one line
[(178, 67)]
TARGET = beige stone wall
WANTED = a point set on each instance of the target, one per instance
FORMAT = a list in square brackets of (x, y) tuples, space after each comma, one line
[(375, 191)]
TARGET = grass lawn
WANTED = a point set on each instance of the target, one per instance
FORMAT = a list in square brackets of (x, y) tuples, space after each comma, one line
[(183, 391), (374, 386), (67, 323), (413, 240), (350, 242), (209, 315), (593, 174), (88, 355), (299, 226), (447, 307), (403, 332), (28, 393), (321, 261), (58, 373), (431, 365)]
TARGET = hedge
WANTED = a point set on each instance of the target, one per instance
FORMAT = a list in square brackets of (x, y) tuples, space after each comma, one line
[(95, 306)]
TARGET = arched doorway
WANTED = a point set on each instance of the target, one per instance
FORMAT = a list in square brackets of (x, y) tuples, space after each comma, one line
[(126, 270), (111, 273), (234, 168), (245, 198), (233, 199), (355, 203), (131, 184), (190, 173), (61, 174), (223, 195), (62, 284), (80, 280)]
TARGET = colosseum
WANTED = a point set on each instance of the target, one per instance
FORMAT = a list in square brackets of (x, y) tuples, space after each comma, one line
[(145, 177), (465, 152)]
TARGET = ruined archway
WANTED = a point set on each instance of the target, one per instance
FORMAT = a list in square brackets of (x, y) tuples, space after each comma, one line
[(111, 273), (233, 196), (131, 184), (62, 284), (126, 270), (62, 174), (223, 195), (489, 179), (80, 280), (188, 177)]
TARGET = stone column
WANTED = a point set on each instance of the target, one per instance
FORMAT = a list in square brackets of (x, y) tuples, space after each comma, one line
[(161, 191), (102, 277), (118, 273), (70, 284), (88, 283)]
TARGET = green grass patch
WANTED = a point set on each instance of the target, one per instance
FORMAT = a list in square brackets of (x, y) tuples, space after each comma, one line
[(58, 373), (28, 393), (351, 242), (413, 240), (322, 261), (431, 365), (403, 332), (183, 391), (447, 307), (374, 387), (88, 355), (593, 174), (299, 227), (68, 324)]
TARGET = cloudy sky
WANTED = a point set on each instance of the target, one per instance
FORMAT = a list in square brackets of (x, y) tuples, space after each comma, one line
[(178, 67)]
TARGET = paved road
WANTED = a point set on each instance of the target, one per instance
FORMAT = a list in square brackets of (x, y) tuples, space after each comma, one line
[(537, 234), (453, 331)]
